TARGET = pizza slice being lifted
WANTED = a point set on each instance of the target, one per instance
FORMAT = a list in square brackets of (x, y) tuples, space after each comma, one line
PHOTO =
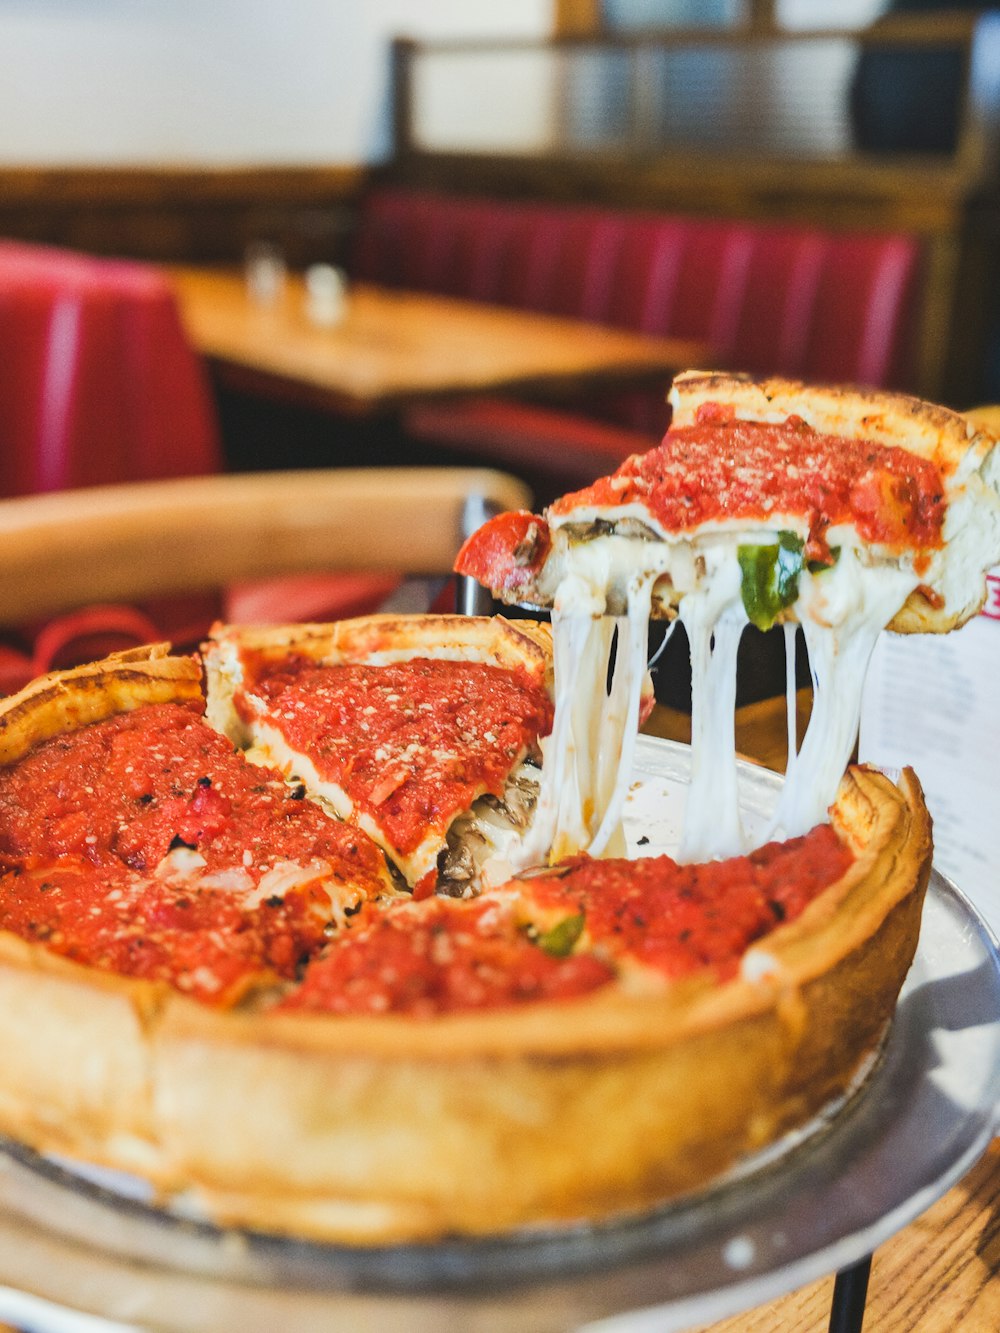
[(418, 729), (842, 510)]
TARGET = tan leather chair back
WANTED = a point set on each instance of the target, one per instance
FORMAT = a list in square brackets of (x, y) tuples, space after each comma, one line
[(126, 543)]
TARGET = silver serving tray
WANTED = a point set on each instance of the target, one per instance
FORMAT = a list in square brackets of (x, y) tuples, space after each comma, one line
[(71, 1245)]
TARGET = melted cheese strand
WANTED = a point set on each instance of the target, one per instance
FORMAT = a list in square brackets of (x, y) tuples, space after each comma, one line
[(588, 756), (712, 824), (791, 701), (609, 737), (623, 723), (559, 794), (593, 730), (842, 612), (671, 626)]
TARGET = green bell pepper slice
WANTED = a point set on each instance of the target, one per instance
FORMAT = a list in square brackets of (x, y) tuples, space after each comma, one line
[(559, 941), (770, 577)]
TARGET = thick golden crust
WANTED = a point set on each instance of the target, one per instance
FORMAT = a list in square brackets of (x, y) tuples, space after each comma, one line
[(961, 447), (397, 638), (66, 700), (555, 1112), (936, 433), (77, 1074), (374, 1129)]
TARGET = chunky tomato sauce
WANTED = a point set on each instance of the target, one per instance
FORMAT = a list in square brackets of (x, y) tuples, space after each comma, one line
[(444, 957), (722, 468), (205, 942), (680, 919), (144, 844), (414, 743)]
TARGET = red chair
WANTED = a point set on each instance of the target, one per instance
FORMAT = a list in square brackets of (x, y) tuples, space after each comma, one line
[(98, 382)]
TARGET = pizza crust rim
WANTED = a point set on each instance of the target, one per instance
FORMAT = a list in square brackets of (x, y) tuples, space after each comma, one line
[(61, 701), (493, 639), (310, 1124), (886, 417)]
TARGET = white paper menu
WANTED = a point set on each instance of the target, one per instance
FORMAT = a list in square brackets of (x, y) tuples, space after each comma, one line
[(932, 702)]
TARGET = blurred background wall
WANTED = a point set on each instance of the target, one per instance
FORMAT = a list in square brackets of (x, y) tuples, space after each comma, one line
[(218, 82)]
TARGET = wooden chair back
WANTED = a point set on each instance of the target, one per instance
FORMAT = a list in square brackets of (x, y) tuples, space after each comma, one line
[(149, 539)]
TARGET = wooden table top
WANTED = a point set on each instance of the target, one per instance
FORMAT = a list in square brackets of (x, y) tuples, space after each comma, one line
[(940, 1273), (395, 347)]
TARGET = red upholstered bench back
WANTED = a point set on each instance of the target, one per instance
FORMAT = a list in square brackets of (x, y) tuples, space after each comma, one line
[(795, 300)]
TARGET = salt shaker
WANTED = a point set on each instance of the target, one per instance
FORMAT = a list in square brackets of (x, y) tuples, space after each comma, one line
[(326, 294)]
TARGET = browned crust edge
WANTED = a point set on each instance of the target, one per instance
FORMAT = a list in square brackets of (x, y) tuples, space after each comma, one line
[(523, 643), (926, 429), (62, 701)]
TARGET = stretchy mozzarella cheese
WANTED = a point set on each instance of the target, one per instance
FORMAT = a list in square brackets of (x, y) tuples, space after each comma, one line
[(875, 511)]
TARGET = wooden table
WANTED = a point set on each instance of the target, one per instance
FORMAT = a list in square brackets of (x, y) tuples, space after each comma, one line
[(942, 1272), (397, 347)]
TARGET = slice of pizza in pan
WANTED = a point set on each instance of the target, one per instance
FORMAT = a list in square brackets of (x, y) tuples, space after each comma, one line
[(842, 510), (421, 730), (135, 839)]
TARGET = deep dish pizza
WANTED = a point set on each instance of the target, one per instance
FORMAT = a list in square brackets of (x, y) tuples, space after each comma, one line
[(334, 930), (841, 510), (235, 996)]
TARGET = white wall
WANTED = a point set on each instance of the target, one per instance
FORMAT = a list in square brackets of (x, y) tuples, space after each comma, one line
[(216, 82)]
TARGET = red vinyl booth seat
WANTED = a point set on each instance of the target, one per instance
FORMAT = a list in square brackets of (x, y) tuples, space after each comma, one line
[(802, 301)]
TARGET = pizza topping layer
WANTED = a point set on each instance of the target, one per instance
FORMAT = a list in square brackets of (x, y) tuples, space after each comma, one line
[(145, 845), (403, 748), (568, 931), (205, 941), (723, 468), (680, 919), (439, 957), (141, 785)]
